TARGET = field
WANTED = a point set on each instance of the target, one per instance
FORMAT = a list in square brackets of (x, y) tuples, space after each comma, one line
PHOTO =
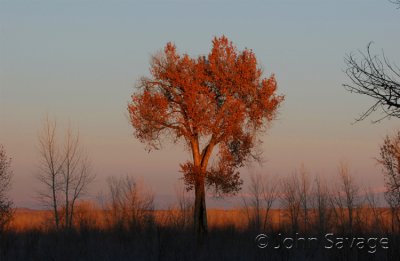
[(27, 219), (167, 235)]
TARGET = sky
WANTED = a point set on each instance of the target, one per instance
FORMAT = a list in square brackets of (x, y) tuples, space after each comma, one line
[(79, 61)]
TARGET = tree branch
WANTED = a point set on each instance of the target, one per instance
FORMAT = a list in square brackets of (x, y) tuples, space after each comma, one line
[(375, 77)]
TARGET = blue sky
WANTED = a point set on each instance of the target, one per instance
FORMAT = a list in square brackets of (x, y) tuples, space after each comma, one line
[(78, 61)]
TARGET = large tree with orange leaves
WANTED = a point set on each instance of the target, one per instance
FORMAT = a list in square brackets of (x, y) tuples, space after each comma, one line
[(219, 102)]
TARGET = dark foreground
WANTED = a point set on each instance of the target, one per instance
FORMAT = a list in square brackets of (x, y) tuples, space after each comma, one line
[(163, 243)]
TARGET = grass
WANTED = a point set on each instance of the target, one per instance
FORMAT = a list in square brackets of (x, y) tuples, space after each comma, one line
[(231, 237)]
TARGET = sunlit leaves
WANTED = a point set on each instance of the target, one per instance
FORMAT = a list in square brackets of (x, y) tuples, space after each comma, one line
[(219, 100)]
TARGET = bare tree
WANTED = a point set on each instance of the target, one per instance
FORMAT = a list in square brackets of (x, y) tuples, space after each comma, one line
[(262, 194), (390, 161), (50, 166), (336, 204), (374, 211), (76, 174), (321, 204), (5, 183), (253, 204), (351, 192), (291, 199), (346, 198), (64, 172), (131, 204), (270, 193), (375, 77), (304, 194), (185, 204), (180, 213)]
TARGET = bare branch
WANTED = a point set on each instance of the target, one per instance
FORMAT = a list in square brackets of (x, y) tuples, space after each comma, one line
[(50, 167), (321, 203), (131, 203), (262, 193), (291, 199), (64, 172), (375, 77)]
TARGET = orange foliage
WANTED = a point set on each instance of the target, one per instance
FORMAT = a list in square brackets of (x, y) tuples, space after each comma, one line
[(220, 100)]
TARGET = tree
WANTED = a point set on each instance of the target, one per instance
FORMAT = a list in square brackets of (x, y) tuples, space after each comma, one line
[(350, 190), (345, 198), (253, 205), (320, 204), (375, 77), (295, 197), (216, 103), (262, 192), (76, 174), (50, 167), (5, 183), (131, 204), (390, 161), (304, 195), (291, 199), (64, 172), (377, 223), (185, 206)]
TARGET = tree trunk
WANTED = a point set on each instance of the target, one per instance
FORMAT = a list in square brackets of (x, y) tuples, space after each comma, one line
[(71, 214), (200, 211), (200, 162), (350, 211), (67, 205), (55, 203)]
